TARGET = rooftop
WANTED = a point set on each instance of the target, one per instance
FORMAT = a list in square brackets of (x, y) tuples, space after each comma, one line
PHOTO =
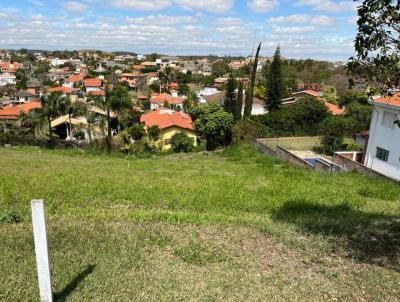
[(167, 118)]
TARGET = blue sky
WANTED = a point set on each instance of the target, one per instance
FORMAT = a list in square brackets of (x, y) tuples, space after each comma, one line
[(319, 29)]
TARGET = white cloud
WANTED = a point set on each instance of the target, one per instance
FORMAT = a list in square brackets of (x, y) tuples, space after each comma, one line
[(161, 20), (214, 6), (262, 6), (74, 6), (301, 19), (229, 21), (294, 30), (329, 6), (141, 4)]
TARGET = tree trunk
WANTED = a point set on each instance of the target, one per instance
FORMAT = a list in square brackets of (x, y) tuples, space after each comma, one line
[(50, 132)]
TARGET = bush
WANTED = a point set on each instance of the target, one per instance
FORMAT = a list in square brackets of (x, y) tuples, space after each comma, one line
[(334, 129), (137, 132), (181, 142), (154, 132)]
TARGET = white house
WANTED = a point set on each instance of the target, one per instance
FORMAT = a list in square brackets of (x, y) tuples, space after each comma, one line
[(7, 79), (383, 151)]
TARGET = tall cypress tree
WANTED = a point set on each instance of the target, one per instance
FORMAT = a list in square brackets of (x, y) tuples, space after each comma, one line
[(275, 88), (249, 96), (230, 96), (237, 114)]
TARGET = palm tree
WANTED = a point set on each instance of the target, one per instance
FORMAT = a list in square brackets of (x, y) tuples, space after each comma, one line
[(114, 100), (33, 122), (73, 109), (51, 108)]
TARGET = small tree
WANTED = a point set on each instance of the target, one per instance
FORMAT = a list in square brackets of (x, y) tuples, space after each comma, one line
[(154, 132), (213, 124), (114, 101), (334, 129), (230, 95), (137, 132), (73, 109), (275, 88), (237, 112), (51, 108), (249, 97), (181, 142)]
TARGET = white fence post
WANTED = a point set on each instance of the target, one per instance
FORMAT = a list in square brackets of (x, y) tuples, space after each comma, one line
[(41, 250)]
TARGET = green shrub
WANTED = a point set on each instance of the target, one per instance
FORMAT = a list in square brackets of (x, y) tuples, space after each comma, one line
[(181, 142), (137, 132)]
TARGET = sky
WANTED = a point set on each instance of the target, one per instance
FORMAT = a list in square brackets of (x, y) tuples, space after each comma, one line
[(317, 29)]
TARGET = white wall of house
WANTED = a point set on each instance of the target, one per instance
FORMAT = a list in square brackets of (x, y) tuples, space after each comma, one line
[(7, 79), (384, 134)]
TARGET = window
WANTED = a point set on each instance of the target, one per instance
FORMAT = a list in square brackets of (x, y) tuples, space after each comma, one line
[(167, 141), (388, 119), (382, 154)]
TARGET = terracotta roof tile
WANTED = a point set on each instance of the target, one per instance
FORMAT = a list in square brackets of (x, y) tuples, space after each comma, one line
[(167, 118)]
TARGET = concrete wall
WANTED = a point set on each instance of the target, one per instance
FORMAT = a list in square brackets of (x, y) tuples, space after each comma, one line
[(350, 165), (290, 157)]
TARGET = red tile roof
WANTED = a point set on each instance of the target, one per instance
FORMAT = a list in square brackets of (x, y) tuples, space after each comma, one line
[(97, 92), (62, 89), (165, 97), (96, 82), (167, 118), (74, 79), (334, 109), (393, 100), (12, 112)]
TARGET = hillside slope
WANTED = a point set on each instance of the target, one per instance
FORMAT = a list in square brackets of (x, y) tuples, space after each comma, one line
[(228, 226)]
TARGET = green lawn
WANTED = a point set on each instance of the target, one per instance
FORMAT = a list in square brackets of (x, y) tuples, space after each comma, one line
[(227, 226), (298, 143)]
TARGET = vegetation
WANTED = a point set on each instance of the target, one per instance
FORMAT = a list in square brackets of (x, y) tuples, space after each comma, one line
[(230, 95), (275, 86), (250, 91), (377, 46), (237, 111), (200, 226), (181, 142), (213, 124), (334, 130)]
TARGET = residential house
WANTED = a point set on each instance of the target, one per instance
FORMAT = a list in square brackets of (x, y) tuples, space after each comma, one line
[(170, 122), (157, 101), (25, 96), (383, 150), (132, 78), (8, 67), (73, 81), (12, 112), (7, 79), (220, 82), (94, 84)]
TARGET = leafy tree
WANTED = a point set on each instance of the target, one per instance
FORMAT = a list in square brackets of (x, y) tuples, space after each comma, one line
[(183, 89), (237, 110), (154, 132), (250, 91), (52, 108), (213, 124), (137, 131), (333, 131), (377, 44), (21, 79), (275, 88), (330, 94), (360, 114), (191, 100), (181, 142), (350, 96), (115, 100), (230, 95)]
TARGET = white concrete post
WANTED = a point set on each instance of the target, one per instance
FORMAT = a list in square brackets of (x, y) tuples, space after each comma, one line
[(41, 250)]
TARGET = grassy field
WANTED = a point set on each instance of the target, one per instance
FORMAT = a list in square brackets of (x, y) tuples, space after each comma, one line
[(227, 226), (298, 143)]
